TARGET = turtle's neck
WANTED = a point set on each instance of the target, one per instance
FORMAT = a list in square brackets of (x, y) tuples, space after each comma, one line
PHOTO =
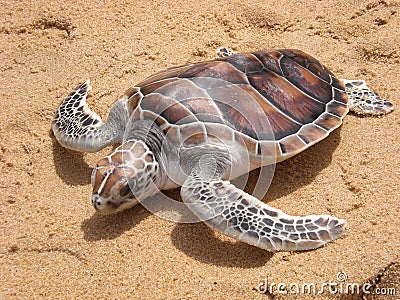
[(148, 132)]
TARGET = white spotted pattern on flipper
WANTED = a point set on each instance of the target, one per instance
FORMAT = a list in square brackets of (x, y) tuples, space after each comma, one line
[(76, 127), (224, 52), (239, 215), (364, 101)]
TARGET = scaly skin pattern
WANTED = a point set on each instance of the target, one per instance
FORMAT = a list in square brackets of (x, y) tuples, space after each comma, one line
[(227, 209)]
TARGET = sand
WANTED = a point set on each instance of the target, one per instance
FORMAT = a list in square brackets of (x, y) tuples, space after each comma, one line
[(53, 245)]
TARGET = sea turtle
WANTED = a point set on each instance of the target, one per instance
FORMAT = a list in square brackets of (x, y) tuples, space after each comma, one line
[(202, 124)]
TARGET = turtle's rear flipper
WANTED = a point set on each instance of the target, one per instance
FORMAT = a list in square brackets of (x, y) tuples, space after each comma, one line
[(365, 101), (224, 52), (78, 128), (239, 215)]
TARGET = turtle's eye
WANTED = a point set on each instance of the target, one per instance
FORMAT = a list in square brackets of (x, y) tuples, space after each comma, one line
[(132, 182), (125, 191)]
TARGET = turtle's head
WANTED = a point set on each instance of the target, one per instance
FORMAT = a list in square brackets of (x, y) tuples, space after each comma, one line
[(123, 178)]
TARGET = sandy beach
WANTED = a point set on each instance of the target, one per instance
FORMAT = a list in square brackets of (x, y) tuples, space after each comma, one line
[(52, 243)]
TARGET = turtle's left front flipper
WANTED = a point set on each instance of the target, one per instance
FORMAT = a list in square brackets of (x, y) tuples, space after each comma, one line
[(227, 209), (78, 128)]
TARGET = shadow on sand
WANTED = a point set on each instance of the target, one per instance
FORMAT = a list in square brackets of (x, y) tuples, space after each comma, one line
[(201, 243), (70, 165), (108, 227)]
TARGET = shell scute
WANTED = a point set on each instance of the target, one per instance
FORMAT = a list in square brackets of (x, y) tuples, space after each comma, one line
[(328, 121), (168, 108), (301, 58), (337, 108), (340, 96), (204, 109), (169, 73), (270, 60), (153, 86), (291, 143), (311, 133), (319, 71), (279, 125), (133, 97), (306, 81), (337, 84), (241, 111), (181, 89), (216, 69), (245, 62), (269, 149), (314, 66), (286, 97)]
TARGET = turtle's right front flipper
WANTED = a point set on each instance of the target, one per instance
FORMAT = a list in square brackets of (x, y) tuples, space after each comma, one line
[(78, 128), (227, 209)]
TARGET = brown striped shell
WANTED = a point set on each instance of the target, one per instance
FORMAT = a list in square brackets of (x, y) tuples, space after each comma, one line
[(232, 97)]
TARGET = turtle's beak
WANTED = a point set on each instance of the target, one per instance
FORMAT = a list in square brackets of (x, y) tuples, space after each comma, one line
[(111, 206)]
